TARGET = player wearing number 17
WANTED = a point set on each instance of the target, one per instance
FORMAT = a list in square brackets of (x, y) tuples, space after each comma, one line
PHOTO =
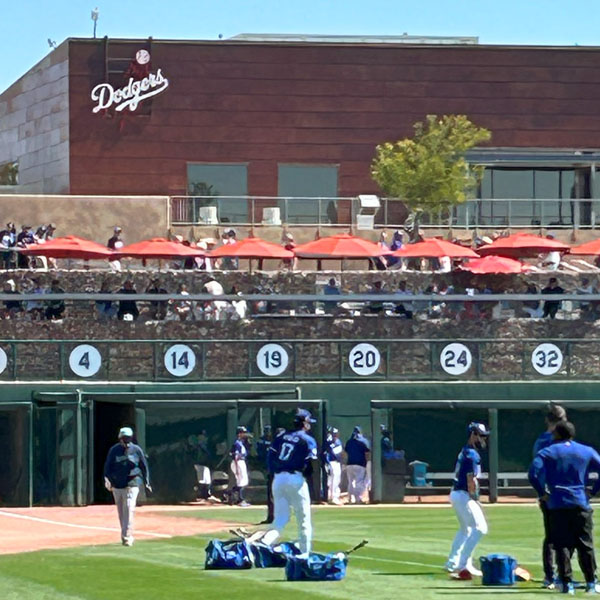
[(288, 457)]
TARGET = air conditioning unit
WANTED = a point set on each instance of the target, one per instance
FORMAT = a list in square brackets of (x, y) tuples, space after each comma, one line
[(271, 215), (369, 206), (208, 215)]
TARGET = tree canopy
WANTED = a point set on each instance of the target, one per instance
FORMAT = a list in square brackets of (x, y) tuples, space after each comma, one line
[(429, 172)]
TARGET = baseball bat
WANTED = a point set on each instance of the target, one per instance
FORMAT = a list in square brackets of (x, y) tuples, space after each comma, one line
[(358, 546)]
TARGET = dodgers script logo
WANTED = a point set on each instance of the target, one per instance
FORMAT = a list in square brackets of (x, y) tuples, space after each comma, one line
[(130, 95)]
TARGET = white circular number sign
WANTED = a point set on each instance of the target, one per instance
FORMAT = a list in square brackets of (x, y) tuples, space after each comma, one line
[(272, 359), (547, 359), (142, 57), (364, 359), (85, 360), (180, 360), (3, 360), (456, 359)]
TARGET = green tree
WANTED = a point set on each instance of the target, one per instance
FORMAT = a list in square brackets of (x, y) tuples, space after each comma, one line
[(429, 172)]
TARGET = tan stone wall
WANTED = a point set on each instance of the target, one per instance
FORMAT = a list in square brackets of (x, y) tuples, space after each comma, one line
[(34, 126), (90, 217)]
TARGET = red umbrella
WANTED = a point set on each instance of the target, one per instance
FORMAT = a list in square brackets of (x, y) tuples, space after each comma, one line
[(69, 246), (435, 248), (158, 248), (590, 248), (494, 264), (522, 244), (339, 246), (252, 247)]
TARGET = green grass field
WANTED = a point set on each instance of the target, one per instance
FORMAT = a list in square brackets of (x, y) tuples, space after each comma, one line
[(404, 558)]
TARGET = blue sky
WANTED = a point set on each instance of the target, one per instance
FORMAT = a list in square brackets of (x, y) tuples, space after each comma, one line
[(26, 25)]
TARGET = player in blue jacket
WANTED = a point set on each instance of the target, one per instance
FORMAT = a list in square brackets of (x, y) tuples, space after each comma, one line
[(559, 474), (125, 470), (289, 455), (358, 451), (333, 460), (465, 501), (555, 415)]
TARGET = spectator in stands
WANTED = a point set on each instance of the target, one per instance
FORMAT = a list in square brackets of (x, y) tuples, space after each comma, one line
[(376, 306), (406, 309), (331, 289), (551, 260), (116, 243), (258, 307), (11, 307), (157, 310), (50, 229), (288, 243), (227, 263), (394, 261), (35, 308), (585, 288), (24, 239), (8, 239), (55, 309), (128, 310), (532, 307), (106, 308), (551, 307), (181, 309), (381, 262)]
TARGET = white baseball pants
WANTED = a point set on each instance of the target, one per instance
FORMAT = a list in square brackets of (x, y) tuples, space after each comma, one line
[(125, 500), (334, 476), (357, 482), (291, 491), (472, 526), (240, 472)]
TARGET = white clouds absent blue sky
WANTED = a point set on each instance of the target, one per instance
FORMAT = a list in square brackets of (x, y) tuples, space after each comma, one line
[(26, 25)]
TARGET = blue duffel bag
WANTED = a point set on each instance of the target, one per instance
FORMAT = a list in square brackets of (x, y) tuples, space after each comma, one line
[(316, 567), (232, 554), (498, 569), (272, 556)]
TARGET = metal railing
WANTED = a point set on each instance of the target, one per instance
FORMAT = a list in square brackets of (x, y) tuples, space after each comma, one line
[(343, 211)]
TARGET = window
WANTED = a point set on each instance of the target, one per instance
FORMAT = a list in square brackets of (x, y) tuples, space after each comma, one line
[(9, 173), (304, 185), (208, 181)]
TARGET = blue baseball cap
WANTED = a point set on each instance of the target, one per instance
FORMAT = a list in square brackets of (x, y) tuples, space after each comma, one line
[(304, 415), (479, 428)]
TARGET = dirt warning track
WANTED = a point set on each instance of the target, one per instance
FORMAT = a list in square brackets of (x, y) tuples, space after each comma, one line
[(29, 529)]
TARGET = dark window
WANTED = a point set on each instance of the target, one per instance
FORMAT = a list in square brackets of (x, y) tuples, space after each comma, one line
[(217, 185), (303, 185), (9, 173)]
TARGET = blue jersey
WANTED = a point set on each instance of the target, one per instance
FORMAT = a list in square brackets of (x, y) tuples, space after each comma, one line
[(333, 450), (545, 440), (562, 471), (467, 463), (126, 466), (291, 451), (357, 448), (239, 450)]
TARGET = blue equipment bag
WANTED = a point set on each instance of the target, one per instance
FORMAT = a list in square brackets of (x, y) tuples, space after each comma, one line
[(232, 554), (316, 567), (272, 556), (498, 569)]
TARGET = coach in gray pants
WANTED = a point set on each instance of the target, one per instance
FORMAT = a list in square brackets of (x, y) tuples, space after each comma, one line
[(125, 470)]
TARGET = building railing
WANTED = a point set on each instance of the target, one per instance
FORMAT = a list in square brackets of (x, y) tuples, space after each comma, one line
[(195, 360), (346, 211)]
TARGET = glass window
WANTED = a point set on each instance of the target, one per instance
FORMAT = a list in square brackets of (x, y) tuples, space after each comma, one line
[(306, 184), (547, 187), (206, 181), (513, 183)]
